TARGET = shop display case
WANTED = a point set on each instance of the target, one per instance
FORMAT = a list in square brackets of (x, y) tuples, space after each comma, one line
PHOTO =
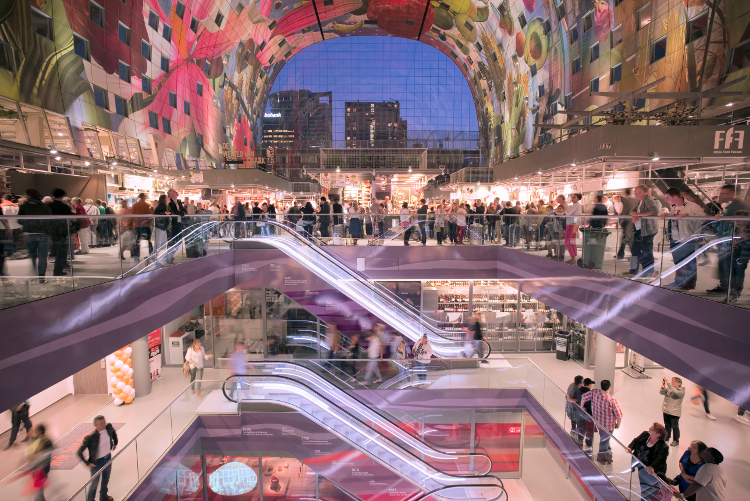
[(511, 321)]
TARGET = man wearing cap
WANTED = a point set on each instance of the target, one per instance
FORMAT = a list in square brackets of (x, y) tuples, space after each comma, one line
[(710, 483)]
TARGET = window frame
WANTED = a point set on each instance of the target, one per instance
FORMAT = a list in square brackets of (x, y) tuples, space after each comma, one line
[(177, 6), (34, 12), (652, 51), (125, 111), (166, 32), (10, 57), (638, 24), (689, 24), (153, 120), (199, 88), (101, 13), (145, 44), (594, 49), (153, 15), (120, 65), (105, 97), (616, 29), (612, 70), (145, 79), (164, 61), (186, 107), (219, 18), (86, 45), (588, 21), (576, 67), (196, 22), (166, 125), (172, 99), (120, 26), (591, 85)]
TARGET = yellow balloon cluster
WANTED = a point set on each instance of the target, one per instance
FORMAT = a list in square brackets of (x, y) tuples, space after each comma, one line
[(120, 367)]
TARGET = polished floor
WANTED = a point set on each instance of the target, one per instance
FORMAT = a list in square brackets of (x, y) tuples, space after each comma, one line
[(639, 399)]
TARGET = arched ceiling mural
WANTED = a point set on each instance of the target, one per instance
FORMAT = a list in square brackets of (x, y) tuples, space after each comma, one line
[(192, 76)]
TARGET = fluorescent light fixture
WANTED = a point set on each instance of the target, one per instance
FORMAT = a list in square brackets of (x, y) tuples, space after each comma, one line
[(729, 105), (53, 151)]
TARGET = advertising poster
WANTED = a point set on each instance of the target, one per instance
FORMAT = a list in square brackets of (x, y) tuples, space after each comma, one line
[(154, 354)]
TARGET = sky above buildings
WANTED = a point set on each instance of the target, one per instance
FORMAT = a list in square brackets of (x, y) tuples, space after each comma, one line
[(432, 92)]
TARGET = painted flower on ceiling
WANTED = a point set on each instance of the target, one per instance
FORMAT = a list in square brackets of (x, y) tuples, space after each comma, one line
[(106, 49), (194, 58)]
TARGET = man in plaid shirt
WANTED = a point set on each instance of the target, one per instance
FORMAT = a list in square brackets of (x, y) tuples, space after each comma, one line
[(607, 413)]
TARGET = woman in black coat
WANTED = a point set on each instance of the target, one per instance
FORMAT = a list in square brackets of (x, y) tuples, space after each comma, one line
[(651, 449), (308, 220)]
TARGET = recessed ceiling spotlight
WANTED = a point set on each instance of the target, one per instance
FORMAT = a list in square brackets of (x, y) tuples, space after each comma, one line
[(87, 163)]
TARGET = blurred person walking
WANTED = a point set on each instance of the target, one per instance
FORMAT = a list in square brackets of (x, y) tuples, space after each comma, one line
[(99, 445), (142, 226), (83, 226), (374, 356), (175, 228), (405, 216), (572, 403), (19, 414), (9, 208), (39, 456), (422, 219), (626, 205), (645, 231), (36, 232), (237, 366), (422, 356), (61, 230), (680, 235), (701, 396)]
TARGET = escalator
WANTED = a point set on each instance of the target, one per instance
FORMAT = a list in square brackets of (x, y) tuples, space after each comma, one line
[(335, 389), (378, 300), (403, 455), (309, 252)]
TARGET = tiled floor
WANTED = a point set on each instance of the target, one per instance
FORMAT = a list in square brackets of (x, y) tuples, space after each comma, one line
[(641, 404)]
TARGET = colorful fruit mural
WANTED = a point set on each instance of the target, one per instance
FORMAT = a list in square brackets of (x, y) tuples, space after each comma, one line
[(195, 74)]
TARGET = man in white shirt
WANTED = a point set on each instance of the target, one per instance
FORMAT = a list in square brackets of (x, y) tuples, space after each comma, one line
[(374, 356), (710, 483), (100, 444)]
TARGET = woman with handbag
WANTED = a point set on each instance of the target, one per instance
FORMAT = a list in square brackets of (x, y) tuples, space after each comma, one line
[(651, 449), (194, 358)]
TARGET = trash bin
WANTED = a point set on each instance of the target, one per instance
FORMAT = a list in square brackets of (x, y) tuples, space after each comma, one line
[(562, 341), (594, 245)]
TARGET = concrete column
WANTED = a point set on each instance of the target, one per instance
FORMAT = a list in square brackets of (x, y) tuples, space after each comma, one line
[(606, 353), (141, 369)]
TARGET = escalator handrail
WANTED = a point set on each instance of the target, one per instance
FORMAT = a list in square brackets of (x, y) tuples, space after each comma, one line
[(357, 420), (427, 495), (389, 418), (395, 300)]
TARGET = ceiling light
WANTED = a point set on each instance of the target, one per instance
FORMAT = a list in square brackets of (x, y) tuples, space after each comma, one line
[(232, 186), (53, 151), (338, 169), (87, 163), (655, 159), (58, 158), (729, 105), (114, 163), (573, 164), (60, 134)]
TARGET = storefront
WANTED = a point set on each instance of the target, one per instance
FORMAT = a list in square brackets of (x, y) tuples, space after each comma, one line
[(269, 323)]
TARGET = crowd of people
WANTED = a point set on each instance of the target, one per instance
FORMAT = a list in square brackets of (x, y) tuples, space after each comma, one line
[(701, 476)]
